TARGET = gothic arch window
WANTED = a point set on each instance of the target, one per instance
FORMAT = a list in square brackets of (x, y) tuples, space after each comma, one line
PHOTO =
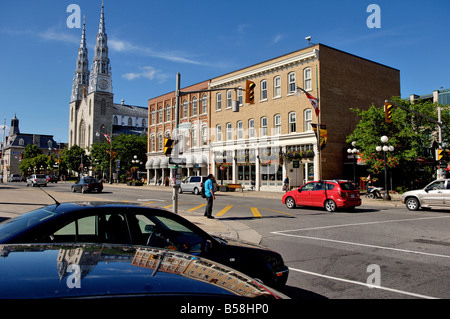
[(130, 121), (116, 120), (103, 107), (82, 136), (89, 136), (71, 138), (21, 142), (90, 107)]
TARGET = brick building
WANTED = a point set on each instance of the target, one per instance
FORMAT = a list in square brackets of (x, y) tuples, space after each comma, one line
[(194, 139), (273, 138)]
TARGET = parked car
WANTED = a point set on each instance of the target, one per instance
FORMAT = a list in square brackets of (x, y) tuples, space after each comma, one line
[(52, 179), (14, 178), (434, 195), (87, 184), (330, 194), (37, 180), (122, 223), (192, 184), (111, 271)]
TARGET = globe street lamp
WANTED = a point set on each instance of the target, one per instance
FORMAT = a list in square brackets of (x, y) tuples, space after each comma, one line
[(353, 151), (385, 148)]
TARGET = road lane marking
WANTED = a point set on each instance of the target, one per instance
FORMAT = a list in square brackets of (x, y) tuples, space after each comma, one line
[(197, 207), (362, 224), (255, 212), (223, 211), (168, 206), (363, 284), (363, 245)]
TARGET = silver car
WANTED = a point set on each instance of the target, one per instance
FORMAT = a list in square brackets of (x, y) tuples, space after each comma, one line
[(37, 180), (435, 194), (192, 184)]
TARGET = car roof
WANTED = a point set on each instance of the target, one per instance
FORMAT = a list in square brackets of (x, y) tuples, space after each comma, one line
[(80, 271)]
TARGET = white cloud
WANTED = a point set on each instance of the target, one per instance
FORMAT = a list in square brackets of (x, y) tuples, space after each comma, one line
[(127, 47), (146, 72)]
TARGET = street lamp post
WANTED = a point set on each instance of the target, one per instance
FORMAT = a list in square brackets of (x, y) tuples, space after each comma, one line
[(353, 151), (385, 148)]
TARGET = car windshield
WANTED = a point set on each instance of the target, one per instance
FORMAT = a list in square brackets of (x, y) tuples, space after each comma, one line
[(40, 176), (14, 226), (347, 186)]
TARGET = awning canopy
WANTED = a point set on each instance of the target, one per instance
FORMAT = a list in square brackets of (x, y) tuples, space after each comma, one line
[(149, 164)]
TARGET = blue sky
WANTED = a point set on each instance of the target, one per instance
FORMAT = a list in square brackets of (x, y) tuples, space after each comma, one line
[(150, 41)]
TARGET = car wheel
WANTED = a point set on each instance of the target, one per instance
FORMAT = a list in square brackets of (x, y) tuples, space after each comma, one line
[(330, 205), (412, 203), (290, 203), (196, 191), (371, 195)]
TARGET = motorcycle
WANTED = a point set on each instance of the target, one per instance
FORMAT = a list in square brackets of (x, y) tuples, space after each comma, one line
[(374, 192)]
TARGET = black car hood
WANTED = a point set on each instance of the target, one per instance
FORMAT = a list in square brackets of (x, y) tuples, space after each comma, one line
[(74, 271)]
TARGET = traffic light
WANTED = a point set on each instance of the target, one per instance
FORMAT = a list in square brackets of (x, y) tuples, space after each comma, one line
[(168, 144), (250, 92), (388, 111), (440, 154)]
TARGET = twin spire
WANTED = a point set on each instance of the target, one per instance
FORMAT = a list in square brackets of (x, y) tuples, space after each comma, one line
[(99, 78)]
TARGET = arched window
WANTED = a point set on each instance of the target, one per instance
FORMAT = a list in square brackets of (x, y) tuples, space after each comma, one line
[(130, 121), (116, 120), (308, 120)]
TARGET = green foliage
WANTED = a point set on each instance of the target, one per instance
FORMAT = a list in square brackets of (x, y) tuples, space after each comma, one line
[(410, 134), (72, 157), (31, 150)]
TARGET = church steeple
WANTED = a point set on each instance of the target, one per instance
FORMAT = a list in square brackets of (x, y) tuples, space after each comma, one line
[(81, 78), (101, 80)]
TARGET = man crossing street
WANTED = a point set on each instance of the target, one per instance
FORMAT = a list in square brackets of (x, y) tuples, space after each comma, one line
[(209, 193)]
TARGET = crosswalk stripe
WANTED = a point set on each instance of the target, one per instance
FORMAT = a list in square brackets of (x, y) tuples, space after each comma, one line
[(197, 207), (255, 212), (223, 211)]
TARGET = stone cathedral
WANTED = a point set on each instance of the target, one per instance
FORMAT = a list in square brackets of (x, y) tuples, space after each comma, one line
[(93, 112)]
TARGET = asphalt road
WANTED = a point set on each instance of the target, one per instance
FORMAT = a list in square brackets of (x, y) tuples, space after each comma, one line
[(379, 251)]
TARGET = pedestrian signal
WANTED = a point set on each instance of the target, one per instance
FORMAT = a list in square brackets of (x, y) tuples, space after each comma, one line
[(250, 92), (168, 144)]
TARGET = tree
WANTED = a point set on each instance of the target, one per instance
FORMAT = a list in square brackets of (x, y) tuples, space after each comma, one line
[(31, 151), (410, 134), (73, 157)]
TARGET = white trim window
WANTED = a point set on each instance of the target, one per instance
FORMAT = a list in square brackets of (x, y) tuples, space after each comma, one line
[(218, 133), (185, 109), (229, 132), (194, 106), (204, 104), (251, 128), (291, 83), (277, 124), (307, 79), (263, 126), (218, 101), (204, 134), (308, 119), (168, 113), (277, 86), (240, 130), (263, 90), (292, 122), (229, 99), (239, 95)]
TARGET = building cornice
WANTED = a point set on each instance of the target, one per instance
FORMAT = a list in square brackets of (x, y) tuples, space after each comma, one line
[(271, 67)]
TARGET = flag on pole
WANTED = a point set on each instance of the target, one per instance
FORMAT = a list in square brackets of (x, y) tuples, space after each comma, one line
[(107, 138), (314, 102)]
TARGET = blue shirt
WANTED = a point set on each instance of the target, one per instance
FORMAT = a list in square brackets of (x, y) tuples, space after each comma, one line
[(208, 187)]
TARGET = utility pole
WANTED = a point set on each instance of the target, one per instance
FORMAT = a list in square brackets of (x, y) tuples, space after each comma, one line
[(175, 170)]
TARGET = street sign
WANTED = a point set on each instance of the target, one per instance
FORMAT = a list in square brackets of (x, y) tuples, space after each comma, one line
[(177, 161), (296, 164)]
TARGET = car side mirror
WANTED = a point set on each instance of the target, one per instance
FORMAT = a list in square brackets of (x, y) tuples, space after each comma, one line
[(299, 190), (426, 190)]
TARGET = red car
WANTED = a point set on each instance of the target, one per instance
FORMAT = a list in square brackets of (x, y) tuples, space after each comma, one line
[(330, 194)]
